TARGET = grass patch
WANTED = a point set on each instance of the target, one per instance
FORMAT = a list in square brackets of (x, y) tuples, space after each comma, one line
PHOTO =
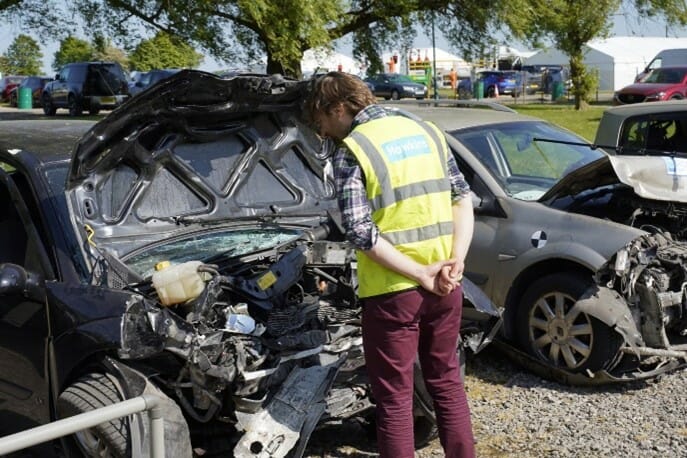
[(583, 123)]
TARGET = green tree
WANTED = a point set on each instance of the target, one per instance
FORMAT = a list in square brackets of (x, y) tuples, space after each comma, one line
[(72, 49), (163, 51), (281, 30), (23, 56), (104, 50)]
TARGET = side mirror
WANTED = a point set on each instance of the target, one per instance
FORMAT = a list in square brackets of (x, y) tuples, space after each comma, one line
[(57, 77), (16, 281)]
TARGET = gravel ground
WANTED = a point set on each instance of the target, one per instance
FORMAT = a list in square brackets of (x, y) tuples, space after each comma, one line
[(517, 414)]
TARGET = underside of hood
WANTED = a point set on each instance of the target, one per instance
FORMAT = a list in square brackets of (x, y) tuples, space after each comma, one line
[(195, 151), (650, 177)]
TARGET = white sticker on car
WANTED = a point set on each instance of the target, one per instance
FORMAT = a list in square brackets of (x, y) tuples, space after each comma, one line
[(538, 239), (676, 166)]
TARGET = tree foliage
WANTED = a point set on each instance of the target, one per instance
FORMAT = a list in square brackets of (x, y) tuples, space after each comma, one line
[(163, 51), (104, 50), (72, 49), (23, 57), (241, 31)]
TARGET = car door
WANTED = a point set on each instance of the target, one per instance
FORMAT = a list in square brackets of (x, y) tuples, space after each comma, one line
[(382, 86), (60, 88), (24, 381)]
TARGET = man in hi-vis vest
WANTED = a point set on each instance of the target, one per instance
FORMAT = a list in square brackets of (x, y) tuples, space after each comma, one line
[(406, 208)]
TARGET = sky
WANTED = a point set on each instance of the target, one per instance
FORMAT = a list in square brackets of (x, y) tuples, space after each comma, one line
[(625, 24)]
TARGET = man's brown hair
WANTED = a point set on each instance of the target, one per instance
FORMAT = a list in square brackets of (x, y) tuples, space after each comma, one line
[(338, 87)]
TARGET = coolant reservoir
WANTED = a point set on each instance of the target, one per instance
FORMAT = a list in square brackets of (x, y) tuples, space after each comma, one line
[(177, 283)]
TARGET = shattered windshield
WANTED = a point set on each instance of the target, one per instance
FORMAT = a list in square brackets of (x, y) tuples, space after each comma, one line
[(201, 246), (526, 157)]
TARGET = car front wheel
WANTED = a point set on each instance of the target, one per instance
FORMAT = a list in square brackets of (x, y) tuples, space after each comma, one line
[(553, 330), (395, 95), (109, 439)]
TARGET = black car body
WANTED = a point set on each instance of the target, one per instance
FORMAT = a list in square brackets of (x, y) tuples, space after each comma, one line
[(222, 173), (396, 86), (36, 84), (89, 86)]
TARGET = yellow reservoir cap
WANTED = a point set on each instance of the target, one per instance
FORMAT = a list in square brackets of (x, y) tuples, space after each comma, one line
[(162, 265)]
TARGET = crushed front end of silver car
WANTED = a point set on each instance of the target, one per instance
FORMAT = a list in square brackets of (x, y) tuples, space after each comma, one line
[(642, 294)]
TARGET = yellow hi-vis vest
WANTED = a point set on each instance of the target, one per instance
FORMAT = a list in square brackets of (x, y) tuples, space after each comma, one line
[(409, 192)]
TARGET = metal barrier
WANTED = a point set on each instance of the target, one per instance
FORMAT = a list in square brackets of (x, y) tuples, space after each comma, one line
[(66, 426)]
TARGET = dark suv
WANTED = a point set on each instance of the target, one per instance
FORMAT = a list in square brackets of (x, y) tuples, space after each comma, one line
[(89, 86)]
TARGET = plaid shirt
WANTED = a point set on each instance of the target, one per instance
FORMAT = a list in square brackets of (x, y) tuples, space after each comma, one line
[(356, 213)]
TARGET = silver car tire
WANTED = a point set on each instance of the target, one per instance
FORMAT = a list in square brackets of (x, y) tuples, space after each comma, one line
[(549, 327)]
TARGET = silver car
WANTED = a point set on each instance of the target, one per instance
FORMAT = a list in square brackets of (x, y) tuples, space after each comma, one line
[(584, 251)]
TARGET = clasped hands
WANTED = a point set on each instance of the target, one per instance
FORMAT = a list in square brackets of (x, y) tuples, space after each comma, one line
[(442, 277)]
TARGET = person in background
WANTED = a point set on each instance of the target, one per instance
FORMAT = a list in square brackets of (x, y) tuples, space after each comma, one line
[(453, 76), (406, 208)]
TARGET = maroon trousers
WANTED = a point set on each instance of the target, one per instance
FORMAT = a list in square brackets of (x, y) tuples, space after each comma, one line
[(396, 328)]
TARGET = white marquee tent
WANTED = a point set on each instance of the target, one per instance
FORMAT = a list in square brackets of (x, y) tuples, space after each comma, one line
[(617, 59), (324, 60)]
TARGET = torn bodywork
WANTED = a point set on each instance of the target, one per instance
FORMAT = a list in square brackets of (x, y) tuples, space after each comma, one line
[(641, 293), (270, 348)]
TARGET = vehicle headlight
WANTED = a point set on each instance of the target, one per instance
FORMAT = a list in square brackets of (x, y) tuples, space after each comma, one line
[(656, 96), (408, 88)]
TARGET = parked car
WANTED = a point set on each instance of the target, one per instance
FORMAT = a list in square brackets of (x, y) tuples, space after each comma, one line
[(585, 252), (185, 246), (90, 86), (644, 129), (150, 78), (664, 83), (36, 84), (395, 86), (8, 83), (502, 81)]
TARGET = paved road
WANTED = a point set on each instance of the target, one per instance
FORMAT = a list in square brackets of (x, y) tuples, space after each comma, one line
[(10, 113)]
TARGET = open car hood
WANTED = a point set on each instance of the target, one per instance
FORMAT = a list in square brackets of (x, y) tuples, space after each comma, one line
[(195, 151), (651, 177)]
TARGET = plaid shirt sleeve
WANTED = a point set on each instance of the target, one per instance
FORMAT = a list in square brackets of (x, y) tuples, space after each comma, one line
[(459, 187), (356, 214)]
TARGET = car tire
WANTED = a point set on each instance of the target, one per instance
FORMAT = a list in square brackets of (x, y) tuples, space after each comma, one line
[(75, 108), (395, 95), (93, 111), (549, 329), (491, 92), (48, 108), (13, 100), (91, 392)]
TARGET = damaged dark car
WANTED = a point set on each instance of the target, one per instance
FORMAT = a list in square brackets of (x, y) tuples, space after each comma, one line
[(186, 246)]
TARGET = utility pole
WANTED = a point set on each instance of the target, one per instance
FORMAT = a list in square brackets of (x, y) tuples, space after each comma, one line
[(434, 61)]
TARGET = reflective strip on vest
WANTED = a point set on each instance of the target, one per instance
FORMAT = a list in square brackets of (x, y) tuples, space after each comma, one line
[(416, 161)]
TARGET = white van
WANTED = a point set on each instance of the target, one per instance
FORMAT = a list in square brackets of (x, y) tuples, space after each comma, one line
[(665, 58)]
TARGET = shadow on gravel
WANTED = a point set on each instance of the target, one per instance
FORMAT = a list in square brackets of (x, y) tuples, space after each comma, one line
[(348, 439), (493, 367)]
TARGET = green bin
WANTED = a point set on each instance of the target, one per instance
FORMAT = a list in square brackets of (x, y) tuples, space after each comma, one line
[(25, 99), (557, 90), (479, 90)]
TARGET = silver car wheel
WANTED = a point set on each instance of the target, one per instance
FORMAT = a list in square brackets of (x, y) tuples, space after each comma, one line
[(92, 444), (559, 332)]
